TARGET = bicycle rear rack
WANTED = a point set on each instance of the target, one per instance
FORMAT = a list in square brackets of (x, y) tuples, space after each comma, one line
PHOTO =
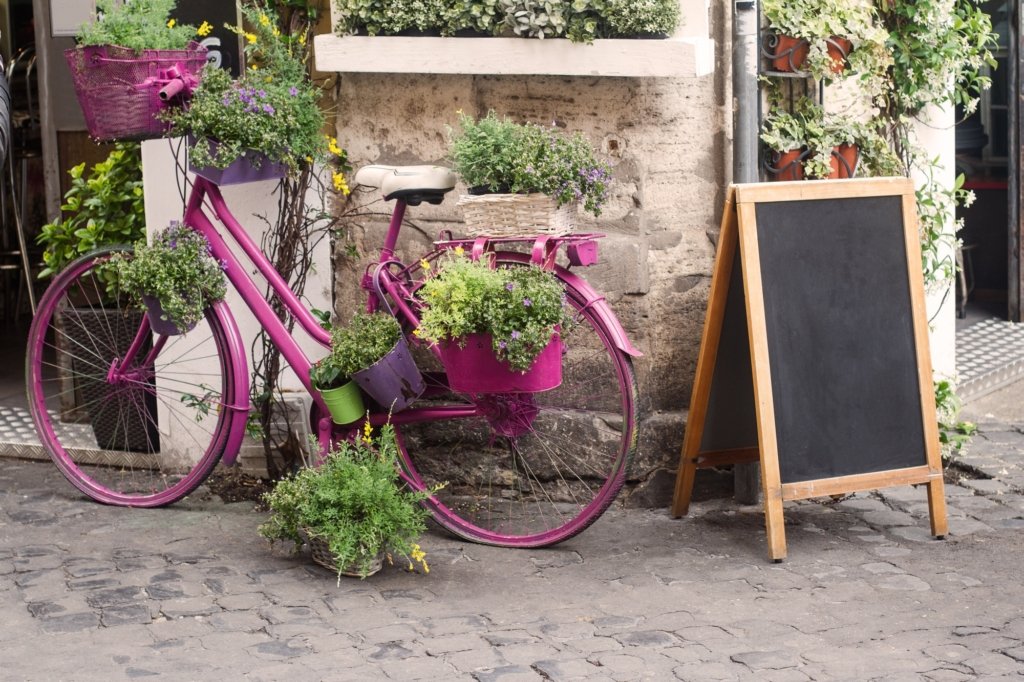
[(580, 249)]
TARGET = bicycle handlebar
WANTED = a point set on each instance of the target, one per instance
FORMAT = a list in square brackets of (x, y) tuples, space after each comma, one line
[(171, 89), (175, 83)]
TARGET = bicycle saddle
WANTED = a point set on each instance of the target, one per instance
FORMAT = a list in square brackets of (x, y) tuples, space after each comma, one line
[(414, 184)]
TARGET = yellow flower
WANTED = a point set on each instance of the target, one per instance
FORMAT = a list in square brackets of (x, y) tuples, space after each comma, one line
[(264, 20), (302, 39), (251, 37), (254, 67), (459, 251), (332, 146), (171, 23), (340, 185), (277, 32), (367, 432), (205, 29), (424, 263)]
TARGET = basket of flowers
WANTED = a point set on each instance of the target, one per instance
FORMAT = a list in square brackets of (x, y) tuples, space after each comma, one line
[(524, 179), (123, 63)]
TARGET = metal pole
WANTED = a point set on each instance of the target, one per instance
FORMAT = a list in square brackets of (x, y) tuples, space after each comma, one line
[(745, 127)]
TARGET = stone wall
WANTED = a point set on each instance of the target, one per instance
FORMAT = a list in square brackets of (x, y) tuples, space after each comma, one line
[(668, 143)]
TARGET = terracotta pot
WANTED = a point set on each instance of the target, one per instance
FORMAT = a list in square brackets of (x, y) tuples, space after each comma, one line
[(788, 53), (838, 50), (844, 161), (787, 165)]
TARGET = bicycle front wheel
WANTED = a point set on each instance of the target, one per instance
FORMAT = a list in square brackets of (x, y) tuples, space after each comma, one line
[(532, 469), (129, 417)]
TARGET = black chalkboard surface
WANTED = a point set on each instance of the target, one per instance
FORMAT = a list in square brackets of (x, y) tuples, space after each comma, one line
[(814, 357), (841, 346)]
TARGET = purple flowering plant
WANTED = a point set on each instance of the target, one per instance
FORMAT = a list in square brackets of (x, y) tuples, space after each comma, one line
[(272, 108), (521, 307), (498, 155), (178, 269)]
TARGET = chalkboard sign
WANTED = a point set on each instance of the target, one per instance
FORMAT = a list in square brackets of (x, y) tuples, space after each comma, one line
[(827, 378)]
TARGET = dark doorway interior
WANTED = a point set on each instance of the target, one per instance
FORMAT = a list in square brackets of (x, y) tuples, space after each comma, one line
[(983, 146)]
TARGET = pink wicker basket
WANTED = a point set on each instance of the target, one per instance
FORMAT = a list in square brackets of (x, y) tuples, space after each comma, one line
[(119, 88)]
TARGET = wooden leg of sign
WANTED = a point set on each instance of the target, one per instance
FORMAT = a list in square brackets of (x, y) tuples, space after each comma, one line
[(684, 486), (937, 508), (775, 525)]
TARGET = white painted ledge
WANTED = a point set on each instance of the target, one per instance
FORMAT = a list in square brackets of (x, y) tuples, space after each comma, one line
[(669, 58)]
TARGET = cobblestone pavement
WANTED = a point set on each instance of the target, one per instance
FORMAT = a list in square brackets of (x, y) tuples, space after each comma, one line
[(190, 592)]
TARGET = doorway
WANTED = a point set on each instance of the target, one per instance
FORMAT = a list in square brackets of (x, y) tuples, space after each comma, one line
[(989, 343)]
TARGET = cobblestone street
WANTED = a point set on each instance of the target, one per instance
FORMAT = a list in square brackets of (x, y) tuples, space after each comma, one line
[(191, 592)]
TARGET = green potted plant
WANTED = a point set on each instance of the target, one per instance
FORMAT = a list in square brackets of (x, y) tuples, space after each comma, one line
[(525, 178), (174, 279), (369, 353), (823, 36), (353, 510), (786, 136), (123, 59), (263, 125), (497, 328), (809, 143)]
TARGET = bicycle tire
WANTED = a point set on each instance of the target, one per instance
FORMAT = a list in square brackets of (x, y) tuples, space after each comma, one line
[(535, 492), (111, 437)]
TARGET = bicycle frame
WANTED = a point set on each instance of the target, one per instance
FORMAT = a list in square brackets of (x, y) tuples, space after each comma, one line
[(383, 281)]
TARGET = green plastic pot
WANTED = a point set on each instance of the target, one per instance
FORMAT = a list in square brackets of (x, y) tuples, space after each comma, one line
[(345, 403)]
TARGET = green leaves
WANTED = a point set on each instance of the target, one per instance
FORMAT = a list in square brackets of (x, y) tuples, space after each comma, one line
[(954, 434), (936, 43), (138, 25), (101, 208), (578, 20)]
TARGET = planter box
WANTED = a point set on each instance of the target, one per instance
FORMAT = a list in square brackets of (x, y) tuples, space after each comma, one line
[(241, 170), (637, 58)]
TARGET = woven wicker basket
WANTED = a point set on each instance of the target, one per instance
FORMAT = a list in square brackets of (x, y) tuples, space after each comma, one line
[(516, 215), (321, 554), (119, 89)]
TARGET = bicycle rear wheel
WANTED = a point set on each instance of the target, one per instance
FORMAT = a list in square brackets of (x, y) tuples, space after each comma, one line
[(142, 431), (532, 469)]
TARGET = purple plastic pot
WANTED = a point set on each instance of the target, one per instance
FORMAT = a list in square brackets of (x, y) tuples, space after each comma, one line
[(158, 320), (475, 369), (252, 166), (394, 381)]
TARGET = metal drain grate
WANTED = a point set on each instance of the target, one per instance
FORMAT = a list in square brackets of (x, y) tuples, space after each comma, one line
[(989, 355)]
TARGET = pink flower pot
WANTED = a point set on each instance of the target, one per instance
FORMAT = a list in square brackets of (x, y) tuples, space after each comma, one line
[(473, 368)]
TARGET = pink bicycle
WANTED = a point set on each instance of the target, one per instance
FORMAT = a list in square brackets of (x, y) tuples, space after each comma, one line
[(520, 469)]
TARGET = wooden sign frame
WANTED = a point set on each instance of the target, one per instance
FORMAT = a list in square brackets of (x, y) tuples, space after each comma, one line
[(738, 244)]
